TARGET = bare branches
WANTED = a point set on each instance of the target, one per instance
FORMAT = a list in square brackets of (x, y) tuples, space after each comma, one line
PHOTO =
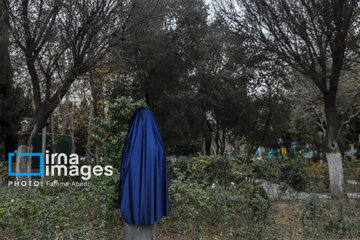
[(61, 40), (310, 36)]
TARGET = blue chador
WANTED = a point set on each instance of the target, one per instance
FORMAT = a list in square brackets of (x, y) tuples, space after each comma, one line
[(143, 189)]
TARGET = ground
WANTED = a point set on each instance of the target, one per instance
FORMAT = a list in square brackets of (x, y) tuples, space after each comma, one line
[(285, 215)]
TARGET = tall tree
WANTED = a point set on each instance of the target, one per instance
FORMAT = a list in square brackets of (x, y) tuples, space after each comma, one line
[(60, 41), (194, 75), (13, 104), (157, 66), (312, 37)]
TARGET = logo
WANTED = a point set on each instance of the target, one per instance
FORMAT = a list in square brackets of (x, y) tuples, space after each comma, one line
[(60, 164), (40, 155)]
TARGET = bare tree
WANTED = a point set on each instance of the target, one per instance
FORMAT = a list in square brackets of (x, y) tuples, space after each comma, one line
[(60, 41), (313, 37)]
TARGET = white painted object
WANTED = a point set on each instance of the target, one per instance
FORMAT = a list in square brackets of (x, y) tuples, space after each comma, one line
[(308, 154), (23, 164), (337, 182), (43, 146)]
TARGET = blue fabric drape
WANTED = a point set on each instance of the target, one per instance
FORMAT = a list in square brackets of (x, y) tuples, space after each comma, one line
[(143, 189)]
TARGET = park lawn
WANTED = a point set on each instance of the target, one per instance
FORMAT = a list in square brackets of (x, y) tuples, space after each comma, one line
[(286, 222), (198, 209)]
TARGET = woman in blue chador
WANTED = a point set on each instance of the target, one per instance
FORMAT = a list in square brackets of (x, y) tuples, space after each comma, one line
[(143, 189)]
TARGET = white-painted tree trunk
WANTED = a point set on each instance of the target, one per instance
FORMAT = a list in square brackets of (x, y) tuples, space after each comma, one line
[(336, 175), (52, 134), (43, 146), (23, 164), (134, 232), (72, 129)]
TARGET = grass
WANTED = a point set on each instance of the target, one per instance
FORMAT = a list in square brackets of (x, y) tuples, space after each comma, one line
[(81, 213), (285, 217)]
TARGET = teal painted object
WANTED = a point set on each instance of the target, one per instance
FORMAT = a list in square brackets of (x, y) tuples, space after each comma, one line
[(62, 145)]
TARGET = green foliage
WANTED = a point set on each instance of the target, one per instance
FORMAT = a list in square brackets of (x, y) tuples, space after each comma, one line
[(306, 132), (105, 191), (197, 207), (292, 172), (195, 203), (320, 219), (114, 129), (57, 212), (203, 89), (259, 202), (211, 169), (289, 171), (206, 196)]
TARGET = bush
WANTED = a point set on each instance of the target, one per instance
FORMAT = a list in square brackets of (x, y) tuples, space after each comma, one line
[(114, 129), (318, 173), (56, 212), (259, 202), (292, 172), (325, 220), (209, 169), (197, 207), (205, 195)]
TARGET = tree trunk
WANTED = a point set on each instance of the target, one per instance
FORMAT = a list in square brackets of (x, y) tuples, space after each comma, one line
[(208, 146), (94, 93), (23, 164), (217, 138), (268, 118), (52, 134), (88, 153), (337, 183), (147, 95), (72, 128), (26, 138), (332, 151), (223, 142), (43, 145), (208, 139)]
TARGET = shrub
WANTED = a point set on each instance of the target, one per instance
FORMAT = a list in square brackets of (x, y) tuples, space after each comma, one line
[(114, 129), (209, 169), (292, 172), (268, 169), (55, 212), (318, 173), (289, 171), (323, 219), (177, 166), (113, 133), (205, 195), (259, 202)]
